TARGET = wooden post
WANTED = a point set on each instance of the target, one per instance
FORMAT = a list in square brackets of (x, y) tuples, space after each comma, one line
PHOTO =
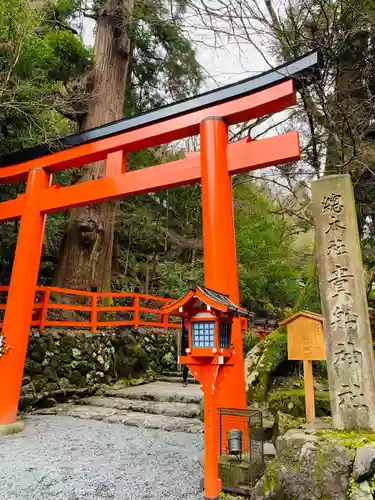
[(94, 313), (136, 311), (43, 315), (164, 318), (309, 390)]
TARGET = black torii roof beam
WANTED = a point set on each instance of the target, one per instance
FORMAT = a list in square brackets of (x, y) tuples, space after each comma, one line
[(303, 70)]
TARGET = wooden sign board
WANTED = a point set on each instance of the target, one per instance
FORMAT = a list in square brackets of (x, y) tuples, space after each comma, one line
[(305, 336), (306, 343)]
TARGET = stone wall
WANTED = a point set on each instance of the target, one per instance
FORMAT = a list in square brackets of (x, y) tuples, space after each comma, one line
[(64, 363)]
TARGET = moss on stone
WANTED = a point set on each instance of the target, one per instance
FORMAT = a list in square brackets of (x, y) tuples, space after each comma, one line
[(271, 476), (286, 422), (226, 496), (292, 402), (349, 439), (109, 315), (274, 349), (371, 483)]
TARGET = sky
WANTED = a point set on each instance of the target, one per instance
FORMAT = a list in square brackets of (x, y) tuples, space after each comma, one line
[(221, 66), (228, 63)]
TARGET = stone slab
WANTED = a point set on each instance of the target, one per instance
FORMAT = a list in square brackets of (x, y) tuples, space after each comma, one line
[(349, 350), (136, 419), (361, 491), (364, 463), (169, 409), (159, 391), (176, 379)]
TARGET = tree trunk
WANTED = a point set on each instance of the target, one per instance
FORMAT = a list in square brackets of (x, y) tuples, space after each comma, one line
[(86, 253)]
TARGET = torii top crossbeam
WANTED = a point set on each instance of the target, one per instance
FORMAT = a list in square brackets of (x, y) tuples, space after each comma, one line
[(251, 98), (301, 70)]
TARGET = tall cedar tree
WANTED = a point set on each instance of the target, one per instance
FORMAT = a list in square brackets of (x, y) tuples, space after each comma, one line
[(123, 32)]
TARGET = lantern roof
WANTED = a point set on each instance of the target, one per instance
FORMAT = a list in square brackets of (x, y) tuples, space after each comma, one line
[(218, 301)]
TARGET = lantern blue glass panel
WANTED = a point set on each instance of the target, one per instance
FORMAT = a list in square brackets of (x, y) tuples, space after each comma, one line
[(203, 333), (224, 331)]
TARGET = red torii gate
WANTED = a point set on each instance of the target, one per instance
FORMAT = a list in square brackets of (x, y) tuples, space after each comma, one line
[(212, 167)]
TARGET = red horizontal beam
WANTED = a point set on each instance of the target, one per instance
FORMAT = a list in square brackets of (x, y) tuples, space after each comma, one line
[(242, 157), (71, 291), (11, 209), (267, 101)]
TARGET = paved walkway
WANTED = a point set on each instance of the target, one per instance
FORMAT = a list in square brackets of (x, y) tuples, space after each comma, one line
[(64, 458)]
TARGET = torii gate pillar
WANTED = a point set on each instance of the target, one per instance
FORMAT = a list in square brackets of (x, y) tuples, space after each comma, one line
[(21, 295), (220, 262)]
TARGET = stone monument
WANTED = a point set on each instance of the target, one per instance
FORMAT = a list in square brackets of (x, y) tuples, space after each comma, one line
[(349, 349)]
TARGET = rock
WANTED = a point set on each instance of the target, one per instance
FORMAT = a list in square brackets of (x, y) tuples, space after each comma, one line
[(364, 464), (361, 491), (37, 349), (32, 367), (100, 359), (293, 440), (76, 377), (39, 382), (292, 402), (286, 422), (48, 402), (269, 450), (308, 467), (51, 374), (168, 359), (268, 419), (76, 353), (264, 359), (63, 383), (28, 390), (267, 489), (26, 380), (52, 387)]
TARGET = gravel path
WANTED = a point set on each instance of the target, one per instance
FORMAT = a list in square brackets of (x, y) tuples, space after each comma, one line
[(63, 458)]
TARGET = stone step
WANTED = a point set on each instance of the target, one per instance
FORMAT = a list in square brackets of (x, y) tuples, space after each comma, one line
[(175, 379), (169, 409), (136, 419), (157, 391), (172, 374)]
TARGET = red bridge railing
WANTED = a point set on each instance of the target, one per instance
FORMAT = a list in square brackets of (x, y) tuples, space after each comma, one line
[(127, 309)]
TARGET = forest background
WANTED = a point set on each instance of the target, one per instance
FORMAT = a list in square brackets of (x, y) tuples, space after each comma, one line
[(146, 53)]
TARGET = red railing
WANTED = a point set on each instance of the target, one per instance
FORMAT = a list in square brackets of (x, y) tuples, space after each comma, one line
[(139, 309)]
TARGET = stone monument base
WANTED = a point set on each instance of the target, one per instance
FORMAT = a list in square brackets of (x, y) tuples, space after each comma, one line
[(316, 464)]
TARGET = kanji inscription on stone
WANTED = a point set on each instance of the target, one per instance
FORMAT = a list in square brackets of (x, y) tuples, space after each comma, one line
[(349, 352)]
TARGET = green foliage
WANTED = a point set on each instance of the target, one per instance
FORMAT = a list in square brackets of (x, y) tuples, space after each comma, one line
[(175, 276), (38, 55), (349, 439), (249, 340), (292, 402), (268, 265), (309, 300), (108, 315), (274, 352), (158, 240), (164, 64)]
